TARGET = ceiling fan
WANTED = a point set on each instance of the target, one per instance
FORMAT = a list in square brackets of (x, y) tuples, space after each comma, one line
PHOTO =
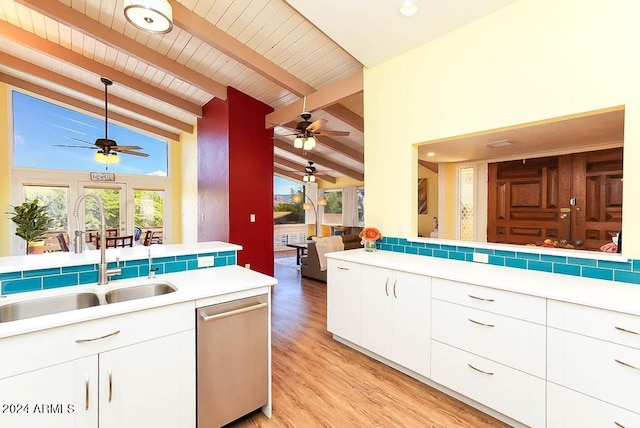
[(306, 130), (310, 172), (108, 149)]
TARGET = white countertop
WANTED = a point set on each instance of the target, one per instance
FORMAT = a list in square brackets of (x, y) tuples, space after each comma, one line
[(57, 259), (610, 295), (191, 285)]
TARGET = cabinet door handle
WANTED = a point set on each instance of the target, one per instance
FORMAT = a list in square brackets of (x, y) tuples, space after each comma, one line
[(627, 364), (386, 287), (342, 268), (480, 298), (86, 392), (97, 338), (618, 424), (481, 371), (626, 331), (395, 282), (481, 323), (110, 385)]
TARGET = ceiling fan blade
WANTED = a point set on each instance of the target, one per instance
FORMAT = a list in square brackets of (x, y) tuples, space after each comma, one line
[(129, 152), (117, 148), (82, 141), (336, 133), (75, 147), (316, 125)]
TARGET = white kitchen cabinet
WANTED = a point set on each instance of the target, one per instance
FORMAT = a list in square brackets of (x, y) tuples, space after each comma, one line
[(396, 317), (61, 396), (570, 409), (344, 299), (149, 384), (137, 370)]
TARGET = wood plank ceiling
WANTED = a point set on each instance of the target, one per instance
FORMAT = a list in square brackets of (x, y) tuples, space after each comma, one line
[(264, 48)]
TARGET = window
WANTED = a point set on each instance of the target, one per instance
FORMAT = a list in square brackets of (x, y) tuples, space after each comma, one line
[(333, 209), (466, 198), (148, 209), (55, 199), (285, 211), (60, 137)]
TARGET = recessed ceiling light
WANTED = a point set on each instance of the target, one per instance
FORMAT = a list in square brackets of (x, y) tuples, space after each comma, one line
[(431, 154), (499, 143), (408, 8)]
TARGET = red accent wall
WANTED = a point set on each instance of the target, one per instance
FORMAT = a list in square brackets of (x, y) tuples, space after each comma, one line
[(235, 177)]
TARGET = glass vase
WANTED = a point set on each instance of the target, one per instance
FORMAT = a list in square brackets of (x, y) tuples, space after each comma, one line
[(370, 246)]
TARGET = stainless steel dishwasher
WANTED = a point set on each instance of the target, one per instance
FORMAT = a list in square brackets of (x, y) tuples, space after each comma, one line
[(232, 360)]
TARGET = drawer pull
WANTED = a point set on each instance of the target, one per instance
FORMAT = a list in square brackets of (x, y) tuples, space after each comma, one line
[(342, 268), (394, 288), (618, 424), (481, 323), (627, 364), (110, 385), (86, 392), (480, 298), (625, 330), (97, 338), (481, 371), (386, 287)]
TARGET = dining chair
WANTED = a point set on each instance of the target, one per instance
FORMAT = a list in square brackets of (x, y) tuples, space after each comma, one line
[(147, 238), (63, 243), (137, 233), (117, 241)]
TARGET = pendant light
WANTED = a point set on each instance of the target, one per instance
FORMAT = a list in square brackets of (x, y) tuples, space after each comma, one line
[(153, 16)]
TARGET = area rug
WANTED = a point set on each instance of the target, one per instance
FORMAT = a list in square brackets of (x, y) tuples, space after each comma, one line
[(287, 261)]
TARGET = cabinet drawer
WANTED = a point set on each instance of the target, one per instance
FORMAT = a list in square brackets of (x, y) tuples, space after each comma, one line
[(570, 409), (508, 391), (47, 347), (599, 323), (515, 343), (603, 370), (514, 305)]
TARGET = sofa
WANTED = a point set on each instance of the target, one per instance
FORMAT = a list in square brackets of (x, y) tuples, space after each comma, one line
[(310, 264)]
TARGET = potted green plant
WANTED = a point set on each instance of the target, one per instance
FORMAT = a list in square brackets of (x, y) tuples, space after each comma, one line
[(32, 221)]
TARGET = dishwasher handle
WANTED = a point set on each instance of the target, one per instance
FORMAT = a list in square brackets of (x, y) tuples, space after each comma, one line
[(206, 318)]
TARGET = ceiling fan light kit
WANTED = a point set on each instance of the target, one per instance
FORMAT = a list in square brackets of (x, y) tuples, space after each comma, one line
[(307, 131), (153, 16)]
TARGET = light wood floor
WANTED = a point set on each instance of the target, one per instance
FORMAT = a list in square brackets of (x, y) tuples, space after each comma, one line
[(318, 382)]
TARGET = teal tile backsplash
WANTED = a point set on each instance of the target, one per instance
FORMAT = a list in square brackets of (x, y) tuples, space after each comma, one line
[(628, 271), (32, 280)]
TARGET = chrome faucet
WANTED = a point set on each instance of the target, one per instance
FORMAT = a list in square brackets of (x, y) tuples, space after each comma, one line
[(103, 273)]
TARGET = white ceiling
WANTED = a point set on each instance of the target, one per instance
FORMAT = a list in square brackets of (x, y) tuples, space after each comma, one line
[(374, 31)]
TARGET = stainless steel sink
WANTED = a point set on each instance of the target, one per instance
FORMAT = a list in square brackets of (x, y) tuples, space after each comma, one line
[(46, 306), (139, 292)]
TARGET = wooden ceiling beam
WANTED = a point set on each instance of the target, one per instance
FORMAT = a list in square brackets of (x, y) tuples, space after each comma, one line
[(99, 111), (213, 36), (50, 76), (81, 22), (323, 97), (432, 166), (346, 115), (300, 168), (31, 41), (288, 174), (310, 155)]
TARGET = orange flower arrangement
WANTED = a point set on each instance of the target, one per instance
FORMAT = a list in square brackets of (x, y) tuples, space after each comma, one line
[(370, 234)]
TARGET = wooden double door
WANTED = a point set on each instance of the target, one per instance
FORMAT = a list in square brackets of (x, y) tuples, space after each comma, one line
[(574, 199)]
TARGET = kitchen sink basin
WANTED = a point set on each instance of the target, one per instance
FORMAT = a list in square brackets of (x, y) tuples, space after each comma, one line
[(46, 306), (139, 292)]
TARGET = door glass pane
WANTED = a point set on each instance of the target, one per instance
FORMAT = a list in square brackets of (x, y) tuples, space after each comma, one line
[(111, 200), (149, 206), (466, 213)]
